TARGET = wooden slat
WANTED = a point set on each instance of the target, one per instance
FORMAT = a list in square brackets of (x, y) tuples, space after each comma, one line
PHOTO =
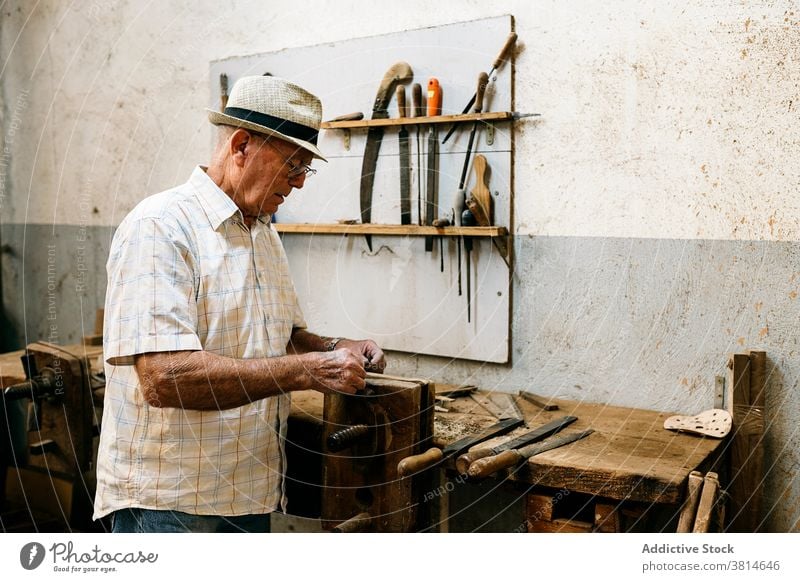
[(412, 121), (390, 229), (746, 449)]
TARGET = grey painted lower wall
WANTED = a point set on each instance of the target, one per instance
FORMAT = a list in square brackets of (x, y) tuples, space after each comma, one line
[(632, 322), (53, 281)]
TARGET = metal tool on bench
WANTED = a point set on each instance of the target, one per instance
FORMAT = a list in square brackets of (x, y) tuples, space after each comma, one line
[(487, 466), (464, 461), (434, 456), (405, 159), (399, 73), (500, 404), (499, 59)]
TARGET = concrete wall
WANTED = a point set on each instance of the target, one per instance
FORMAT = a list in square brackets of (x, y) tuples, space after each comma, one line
[(656, 203)]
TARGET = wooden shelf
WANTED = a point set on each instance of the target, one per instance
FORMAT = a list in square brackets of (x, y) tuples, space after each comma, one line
[(396, 121), (392, 229)]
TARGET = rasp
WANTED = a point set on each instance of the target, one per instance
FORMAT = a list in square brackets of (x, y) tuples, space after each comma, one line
[(489, 465), (464, 461), (405, 159), (434, 456), (398, 73)]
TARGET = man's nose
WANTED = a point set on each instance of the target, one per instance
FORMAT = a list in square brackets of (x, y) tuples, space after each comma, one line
[(297, 181)]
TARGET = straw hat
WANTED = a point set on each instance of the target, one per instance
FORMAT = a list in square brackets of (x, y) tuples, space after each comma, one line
[(273, 106)]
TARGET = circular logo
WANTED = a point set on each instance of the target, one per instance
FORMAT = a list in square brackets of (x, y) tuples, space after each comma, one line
[(31, 555)]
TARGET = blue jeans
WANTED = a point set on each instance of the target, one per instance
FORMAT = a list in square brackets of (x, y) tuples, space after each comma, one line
[(136, 520)]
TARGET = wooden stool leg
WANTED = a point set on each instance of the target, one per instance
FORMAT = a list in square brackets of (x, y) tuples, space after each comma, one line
[(686, 520), (708, 499)]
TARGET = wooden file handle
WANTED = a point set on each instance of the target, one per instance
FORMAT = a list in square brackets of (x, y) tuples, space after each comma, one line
[(482, 468), (417, 463), (464, 462)]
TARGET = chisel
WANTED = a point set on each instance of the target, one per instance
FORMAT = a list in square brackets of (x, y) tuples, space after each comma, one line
[(434, 109), (419, 111), (464, 461), (489, 465), (434, 456), (512, 38)]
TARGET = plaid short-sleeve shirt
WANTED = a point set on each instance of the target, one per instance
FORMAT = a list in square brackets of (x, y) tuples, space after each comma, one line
[(185, 273)]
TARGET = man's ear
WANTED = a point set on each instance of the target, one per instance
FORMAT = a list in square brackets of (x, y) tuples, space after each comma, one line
[(238, 146)]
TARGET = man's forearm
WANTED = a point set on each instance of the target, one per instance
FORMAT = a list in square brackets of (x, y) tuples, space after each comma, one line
[(200, 380)]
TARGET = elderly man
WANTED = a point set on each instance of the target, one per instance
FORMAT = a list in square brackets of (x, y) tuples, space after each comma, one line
[(204, 339)]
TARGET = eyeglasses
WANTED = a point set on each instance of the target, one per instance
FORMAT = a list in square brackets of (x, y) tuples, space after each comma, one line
[(295, 169)]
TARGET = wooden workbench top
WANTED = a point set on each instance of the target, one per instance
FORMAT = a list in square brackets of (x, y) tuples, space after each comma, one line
[(630, 456)]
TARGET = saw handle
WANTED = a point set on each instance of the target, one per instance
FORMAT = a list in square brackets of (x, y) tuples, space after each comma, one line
[(464, 462), (487, 466), (417, 463), (501, 56), (434, 97)]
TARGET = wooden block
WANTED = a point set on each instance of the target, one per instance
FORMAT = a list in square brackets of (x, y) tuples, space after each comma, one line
[(689, 510), (708, 499), (539, 507), (607, 518)]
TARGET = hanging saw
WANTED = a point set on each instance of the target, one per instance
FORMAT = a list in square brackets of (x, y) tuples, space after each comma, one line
[(498, 61), (398, 73)]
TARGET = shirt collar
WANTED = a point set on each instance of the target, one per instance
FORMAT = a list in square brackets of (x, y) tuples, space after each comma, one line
[(218, 206)]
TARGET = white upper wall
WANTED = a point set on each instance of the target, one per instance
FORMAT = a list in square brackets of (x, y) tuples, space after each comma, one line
[(661, 119)]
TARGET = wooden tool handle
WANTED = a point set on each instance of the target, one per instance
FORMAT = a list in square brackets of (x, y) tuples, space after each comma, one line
[(481, 192), (417, 463), (357, 523), (464, 462), (476, 210), (483, 80), (416, 100), (402, 110), (482, 468), (355, 116), (434, 98), (501, 56)]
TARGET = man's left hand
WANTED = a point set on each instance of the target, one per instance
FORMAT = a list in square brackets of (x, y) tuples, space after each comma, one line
[(376, 360)]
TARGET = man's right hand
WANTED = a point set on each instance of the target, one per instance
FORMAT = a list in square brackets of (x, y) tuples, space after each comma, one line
[(337, 371)]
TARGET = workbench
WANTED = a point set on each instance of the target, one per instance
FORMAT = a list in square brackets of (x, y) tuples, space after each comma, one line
[(629, 475)]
